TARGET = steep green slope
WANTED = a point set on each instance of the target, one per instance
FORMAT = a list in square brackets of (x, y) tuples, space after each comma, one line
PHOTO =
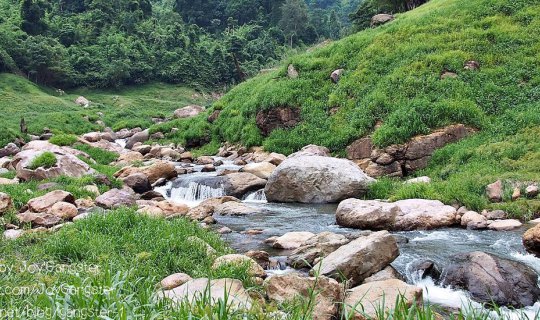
[(392, 74), (43, 107)]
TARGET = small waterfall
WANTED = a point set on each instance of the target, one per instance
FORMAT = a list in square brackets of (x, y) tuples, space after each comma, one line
[(257, 196), (195, 192), (193, 188), (121, 142)]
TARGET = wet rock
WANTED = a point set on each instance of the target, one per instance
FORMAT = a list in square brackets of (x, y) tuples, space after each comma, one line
[(230, 290), (318, 246), (505, 225), (115, 198), (233, 208), (254, 269), (288, 287), (204, 160), (174, 280), (380, 19), (360, 258), (208, 168), (491, 279), (154, 172), (370, 214), (290, 240), (138, 182), (423, 214), (163, 209), (142, 137), (421, 269), (385, 274), (531, 240), (494, 191), (262, 170), (224, 230), (411, 214), (473, 220), (281, 117), (261, 257), (316, 179), (5, 203), (367, 301), (207, 207), (188, 111), (240, 183)]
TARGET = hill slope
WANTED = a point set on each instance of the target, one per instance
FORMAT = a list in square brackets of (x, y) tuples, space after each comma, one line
[(43, 107), (392, 75)]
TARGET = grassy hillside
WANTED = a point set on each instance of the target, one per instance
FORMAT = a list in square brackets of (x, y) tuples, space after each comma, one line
[(43, 107), (393, 75)]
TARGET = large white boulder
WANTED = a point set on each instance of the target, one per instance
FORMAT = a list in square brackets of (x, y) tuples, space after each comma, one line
[(316, 179)]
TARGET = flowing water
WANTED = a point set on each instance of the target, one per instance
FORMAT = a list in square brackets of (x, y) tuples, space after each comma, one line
[(277, 219)]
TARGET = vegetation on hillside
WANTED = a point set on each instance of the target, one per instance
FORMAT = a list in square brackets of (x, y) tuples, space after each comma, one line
[(127, 107), (94, 43), (392, 76)]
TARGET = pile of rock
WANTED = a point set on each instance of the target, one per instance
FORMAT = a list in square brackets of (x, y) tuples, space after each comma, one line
[(403, 159)]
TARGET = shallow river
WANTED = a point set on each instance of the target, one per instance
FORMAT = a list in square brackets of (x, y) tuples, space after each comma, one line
[(277, 219)]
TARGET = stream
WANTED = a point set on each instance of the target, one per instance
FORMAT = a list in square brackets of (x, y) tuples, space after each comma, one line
[(277, 218)]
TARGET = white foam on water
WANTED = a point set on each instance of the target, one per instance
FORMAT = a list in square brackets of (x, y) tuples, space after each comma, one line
[(121, 142), (527, 258), (431, 236), (256, 197), (192, 195), (458, 299)]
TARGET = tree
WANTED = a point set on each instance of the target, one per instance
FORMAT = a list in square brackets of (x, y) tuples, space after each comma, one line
[(294, 19), (32, 13)]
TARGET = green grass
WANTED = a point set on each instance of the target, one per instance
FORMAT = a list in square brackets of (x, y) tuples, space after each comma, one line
[(461, 171), (45, 160), (63, 139), (126, 107)]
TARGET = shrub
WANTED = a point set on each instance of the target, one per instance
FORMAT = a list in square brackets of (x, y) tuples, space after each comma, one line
[(63, 139), (45, 160)]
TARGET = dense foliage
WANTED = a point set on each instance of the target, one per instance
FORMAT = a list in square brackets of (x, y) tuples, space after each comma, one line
[(198, 43)]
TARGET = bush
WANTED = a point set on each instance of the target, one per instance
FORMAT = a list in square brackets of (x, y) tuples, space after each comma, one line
[(101, 156), (45, 160), (63, 139)]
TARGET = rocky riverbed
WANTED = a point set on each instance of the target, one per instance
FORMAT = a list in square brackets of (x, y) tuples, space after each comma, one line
[(300, 216)]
